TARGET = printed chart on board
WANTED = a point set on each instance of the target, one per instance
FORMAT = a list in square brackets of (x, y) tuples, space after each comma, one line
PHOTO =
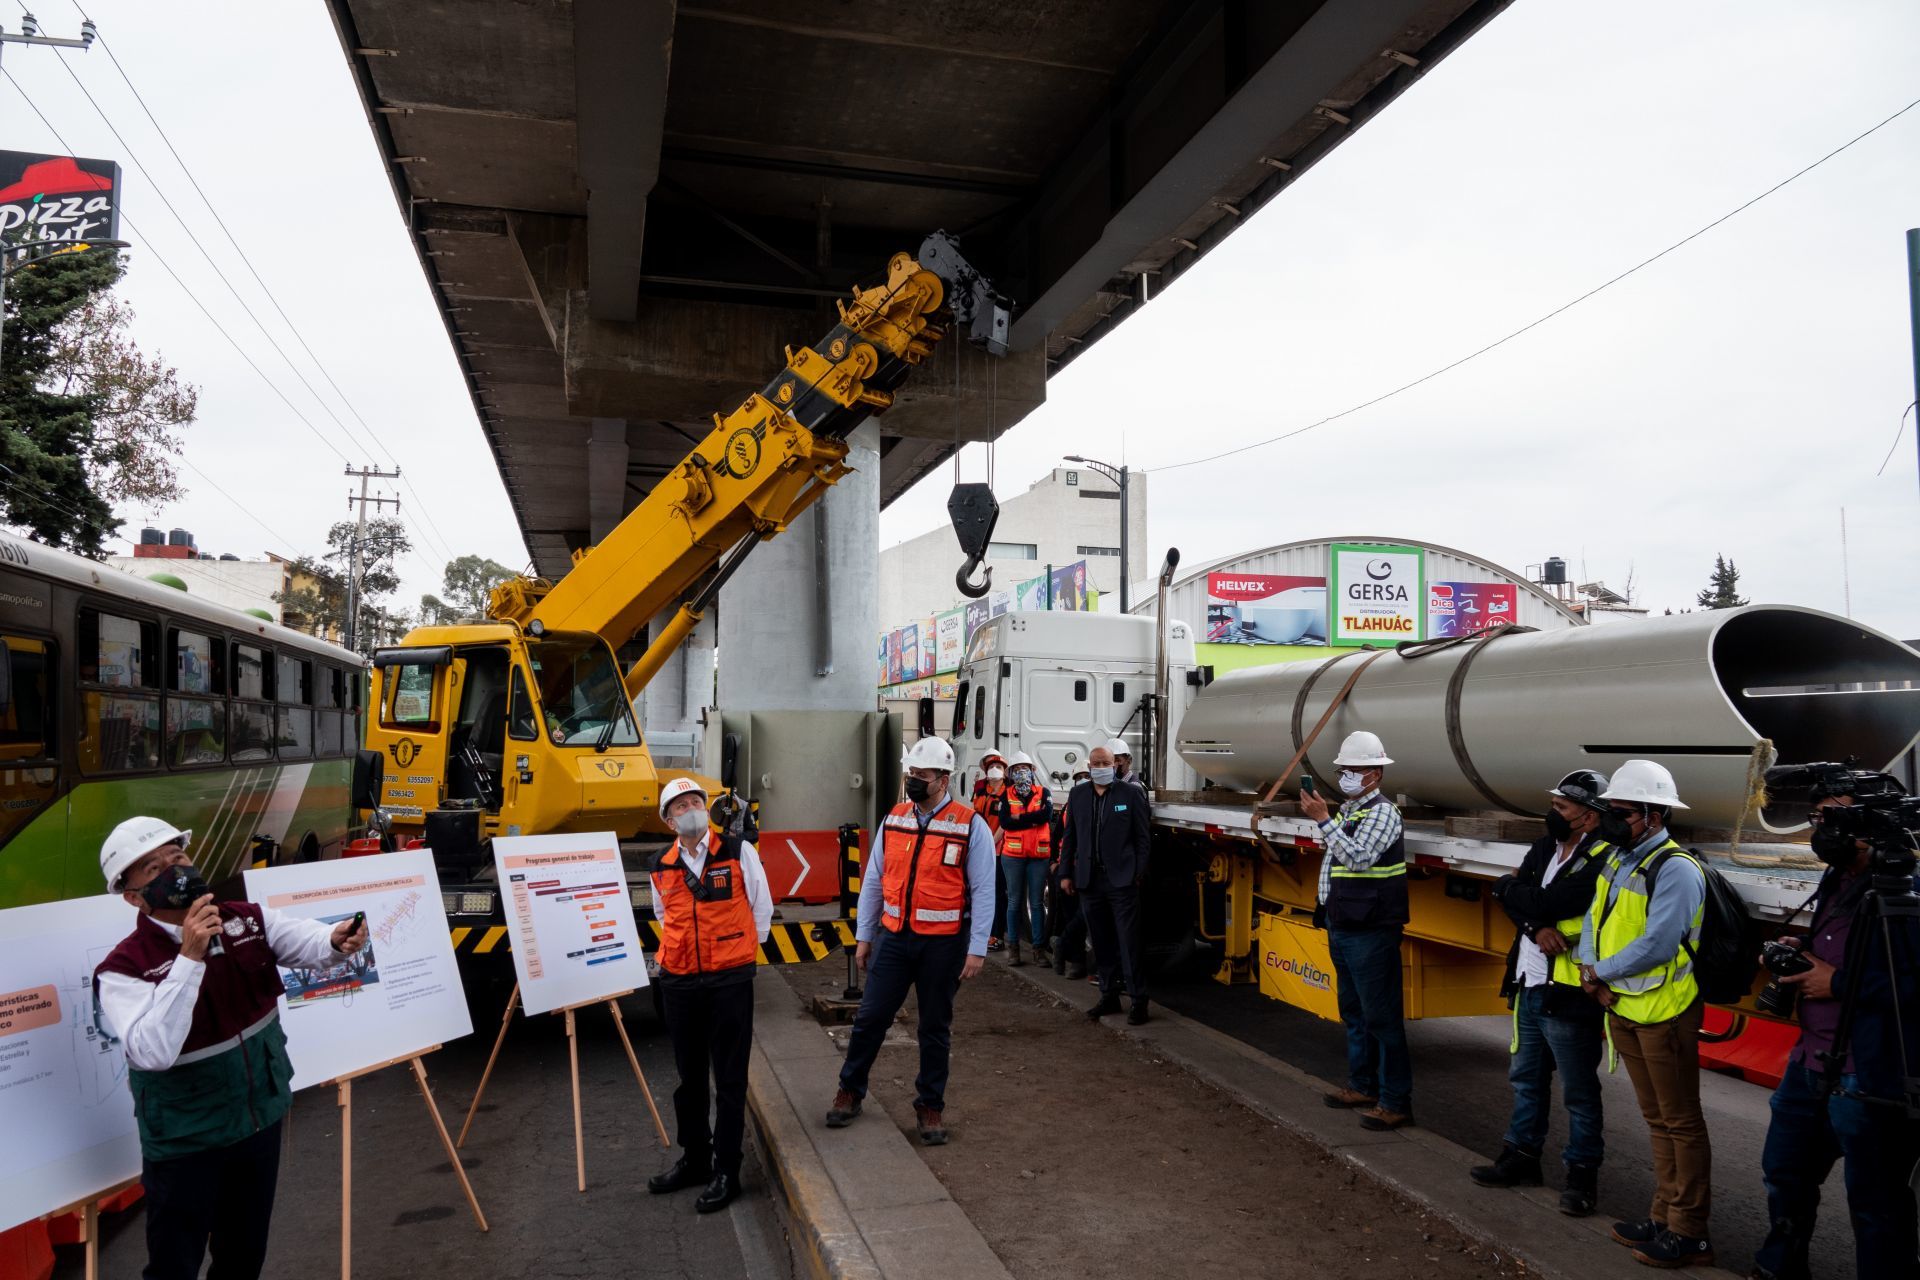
[(65, 1110), (397, 996), (574, 936)]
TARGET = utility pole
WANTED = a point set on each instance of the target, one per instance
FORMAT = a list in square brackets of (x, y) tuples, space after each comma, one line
[(367, 475), (1913, 301)]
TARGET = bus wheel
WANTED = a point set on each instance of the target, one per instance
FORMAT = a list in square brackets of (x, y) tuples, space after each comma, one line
[(309, 848)]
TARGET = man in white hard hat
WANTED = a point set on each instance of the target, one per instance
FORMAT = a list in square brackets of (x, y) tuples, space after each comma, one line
[(710, 897), (926, 899), (193, 994), (1636, 957), (1122, 761), (1363, 901)]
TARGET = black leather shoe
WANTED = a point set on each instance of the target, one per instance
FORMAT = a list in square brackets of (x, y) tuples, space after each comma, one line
[(1137, 1014), (686, 1172), (721, 1192), (1109, 1003)]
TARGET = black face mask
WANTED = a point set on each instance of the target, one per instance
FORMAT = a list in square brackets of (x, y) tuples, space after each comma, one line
[(175, 889), (1558, 827), (1617, 829), (1834, 848), (918, 789)]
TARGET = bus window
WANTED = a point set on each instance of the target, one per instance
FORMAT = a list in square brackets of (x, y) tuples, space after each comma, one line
[(331, 728), (251, 729), (252, 732), (327, 687), (196, 731), (295, 738), (412, 700), (521, 723), (195, 667), (29, 780), (294, 682), (249, 672), (119, 729)]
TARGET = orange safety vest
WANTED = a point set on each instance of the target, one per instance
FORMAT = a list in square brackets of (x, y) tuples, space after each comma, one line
[(923, 884), (708, 930), (983, 804), (1027, 842)]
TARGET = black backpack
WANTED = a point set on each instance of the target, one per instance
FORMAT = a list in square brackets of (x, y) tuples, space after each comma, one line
[(1724, 965)]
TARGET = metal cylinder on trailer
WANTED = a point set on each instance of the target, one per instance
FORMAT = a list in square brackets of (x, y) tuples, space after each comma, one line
[(1492, 723)]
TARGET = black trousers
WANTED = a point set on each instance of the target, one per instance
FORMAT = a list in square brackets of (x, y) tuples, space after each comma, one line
[(712, 1030), (218, 1201), (1113, 922), (929, 967)]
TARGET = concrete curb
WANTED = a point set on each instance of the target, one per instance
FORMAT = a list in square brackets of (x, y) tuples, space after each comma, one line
[(1422, 1166), (861, 1204)]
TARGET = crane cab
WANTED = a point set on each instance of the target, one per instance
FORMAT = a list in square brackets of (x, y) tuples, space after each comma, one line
[(536, 732)]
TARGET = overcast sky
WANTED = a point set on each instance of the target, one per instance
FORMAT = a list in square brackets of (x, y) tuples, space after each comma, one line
[(1732, 398)]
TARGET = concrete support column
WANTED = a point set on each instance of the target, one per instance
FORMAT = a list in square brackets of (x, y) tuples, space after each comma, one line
[(606, 476), (798, 621)]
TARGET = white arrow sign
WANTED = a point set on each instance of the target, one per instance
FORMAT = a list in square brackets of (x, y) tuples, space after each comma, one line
[(805, 867)]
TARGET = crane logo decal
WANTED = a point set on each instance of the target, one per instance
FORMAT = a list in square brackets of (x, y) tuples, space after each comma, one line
[(404, 751), (612, 768), (743, 453)]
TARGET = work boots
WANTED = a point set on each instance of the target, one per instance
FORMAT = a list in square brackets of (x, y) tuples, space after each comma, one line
[(1511, 1168), (845, 1107), (1059, 958), (1014, 958), (1582, 1191)]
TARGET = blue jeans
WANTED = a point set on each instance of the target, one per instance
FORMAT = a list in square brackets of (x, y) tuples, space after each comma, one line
[(1545, 1042), (1807, 1135), (1366, 970), (1026, 882)]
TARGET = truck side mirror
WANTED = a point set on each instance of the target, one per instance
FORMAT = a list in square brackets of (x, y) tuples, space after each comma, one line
[(730, 761), (927, 726), (369, 778)]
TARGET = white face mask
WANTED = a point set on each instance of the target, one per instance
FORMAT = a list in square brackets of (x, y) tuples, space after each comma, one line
[(1351, 783), (1102, 775), (691, 825), (996, 774)]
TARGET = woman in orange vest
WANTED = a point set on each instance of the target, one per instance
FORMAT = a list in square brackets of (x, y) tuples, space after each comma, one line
[(1024, 816), (710, 898), (987, 790)]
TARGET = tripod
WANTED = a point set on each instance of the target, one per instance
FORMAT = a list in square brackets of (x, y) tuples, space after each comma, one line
[(1889, 898)]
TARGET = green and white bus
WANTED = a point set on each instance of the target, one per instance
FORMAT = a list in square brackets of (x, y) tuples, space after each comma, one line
[(121, 696)]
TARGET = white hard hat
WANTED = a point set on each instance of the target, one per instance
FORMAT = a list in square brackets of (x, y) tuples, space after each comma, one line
[(1643, 782), (929, 753), (677, 788), (133, 840), (1118, 746), (1020, 758), (1363, 750)]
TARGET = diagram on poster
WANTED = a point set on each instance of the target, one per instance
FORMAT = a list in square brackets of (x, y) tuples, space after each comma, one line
[(397, 996), (574, 936), (64, 1104)]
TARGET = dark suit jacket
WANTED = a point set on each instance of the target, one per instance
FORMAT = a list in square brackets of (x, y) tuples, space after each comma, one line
[(1120, 833)]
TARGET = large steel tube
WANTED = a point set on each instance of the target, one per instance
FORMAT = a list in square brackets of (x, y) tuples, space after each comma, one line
[(1491, 724)]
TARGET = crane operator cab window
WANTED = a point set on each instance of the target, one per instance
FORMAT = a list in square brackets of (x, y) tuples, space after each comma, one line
[(583, 701), (479, 729)]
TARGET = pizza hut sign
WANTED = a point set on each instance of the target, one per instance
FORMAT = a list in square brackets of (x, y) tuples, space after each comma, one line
[(58, 198)]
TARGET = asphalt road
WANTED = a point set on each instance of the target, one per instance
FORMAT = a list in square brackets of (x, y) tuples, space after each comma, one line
[(1460, 1092), (410, 1218)]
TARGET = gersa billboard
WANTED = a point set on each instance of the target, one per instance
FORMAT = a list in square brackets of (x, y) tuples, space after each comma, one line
[(1379, 594)]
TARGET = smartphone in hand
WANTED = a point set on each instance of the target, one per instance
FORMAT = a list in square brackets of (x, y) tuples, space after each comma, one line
[(1306, 783)]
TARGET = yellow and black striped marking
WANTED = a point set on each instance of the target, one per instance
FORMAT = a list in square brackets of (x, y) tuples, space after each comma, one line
[(787, 943)]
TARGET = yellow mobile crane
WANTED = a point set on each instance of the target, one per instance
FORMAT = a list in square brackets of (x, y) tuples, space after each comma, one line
[(523, 724)]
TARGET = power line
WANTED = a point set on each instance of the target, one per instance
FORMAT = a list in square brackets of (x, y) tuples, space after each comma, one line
[(1564, 307)]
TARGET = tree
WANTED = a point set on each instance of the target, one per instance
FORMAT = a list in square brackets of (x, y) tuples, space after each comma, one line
[(323, 607), (467, 583), (139, 403), (1723, 587)]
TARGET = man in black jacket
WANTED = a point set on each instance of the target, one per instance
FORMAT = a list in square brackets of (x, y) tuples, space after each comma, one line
[(1106, 862), (1555, 1023)]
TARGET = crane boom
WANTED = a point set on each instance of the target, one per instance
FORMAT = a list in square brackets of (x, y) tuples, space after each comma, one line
[(763, 464)]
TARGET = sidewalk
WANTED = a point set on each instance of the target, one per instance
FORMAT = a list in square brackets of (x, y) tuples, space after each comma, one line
[(1425, 1168), (859, 1202)]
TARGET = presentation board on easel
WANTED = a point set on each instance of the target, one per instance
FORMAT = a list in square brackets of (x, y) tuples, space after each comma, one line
[(570, 919), (64, 1104), (398, 996)]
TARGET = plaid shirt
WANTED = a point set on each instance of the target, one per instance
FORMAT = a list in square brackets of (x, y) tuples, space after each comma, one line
[(1361, 847)]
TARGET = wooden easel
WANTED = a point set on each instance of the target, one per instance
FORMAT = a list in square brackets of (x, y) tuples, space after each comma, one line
[(344, 1085), (573, 1054), (89, 1211)]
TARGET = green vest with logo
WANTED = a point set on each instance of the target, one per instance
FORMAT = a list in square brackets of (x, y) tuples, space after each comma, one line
[(1667, 990)]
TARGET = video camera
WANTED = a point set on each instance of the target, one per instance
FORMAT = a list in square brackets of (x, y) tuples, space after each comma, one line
[(1882, 813)]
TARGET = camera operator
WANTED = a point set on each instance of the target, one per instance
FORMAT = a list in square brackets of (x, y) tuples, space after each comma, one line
[(1810, 1129)]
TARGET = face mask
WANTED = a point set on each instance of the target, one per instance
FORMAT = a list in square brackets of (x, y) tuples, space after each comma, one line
[(1616, 829), (1351, 783), (1558, 827), (1023, 782), (174, 889), (996, 774), (917, 790), (692, 824), (1102, 775)]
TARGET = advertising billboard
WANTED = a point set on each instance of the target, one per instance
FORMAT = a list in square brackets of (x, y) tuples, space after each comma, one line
[(1266, 608), (950, 640), (1379, 594), (1462, 608), (46, 197)]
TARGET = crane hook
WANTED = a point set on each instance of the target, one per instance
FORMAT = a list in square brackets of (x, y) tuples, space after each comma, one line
[(967, 589)]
